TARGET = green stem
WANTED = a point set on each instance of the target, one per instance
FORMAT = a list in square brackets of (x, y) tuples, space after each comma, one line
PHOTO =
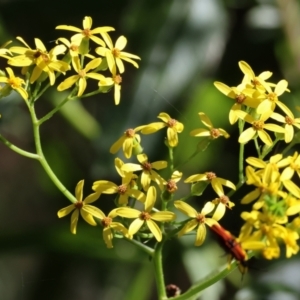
[(214, 277), (42, 159), (149, 251), (53, 111), (257, 147), (159, 274), (17, 149)]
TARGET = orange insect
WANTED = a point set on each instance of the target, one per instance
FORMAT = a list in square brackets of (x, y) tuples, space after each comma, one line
[(229, 243)]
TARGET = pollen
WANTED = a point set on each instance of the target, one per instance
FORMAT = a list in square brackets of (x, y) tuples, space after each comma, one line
[(130, 133), (172, 123), (272, 97), (145, 216), (210, 175), (224, 199), (86, 32), (74, 48), (115, 52), (117, 79), (258, 125), (215, 133), (240, 98), (255, 82), (289, 120), (122, 189), (78, 204), (200, 218), (106, 221), (147, 166), (171, 186)]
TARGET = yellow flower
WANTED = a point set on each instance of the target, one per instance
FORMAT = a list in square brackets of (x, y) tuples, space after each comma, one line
[(242, 96), (199, 220), (294, 166), (73, 47), (257, 82), (115, 81), (216, 182), (115, 55), (257, 128), (290, 240), (173, 125), (15, 83), (129, 141), (270, 99), (110, 227), (124, 190), (146, 217), (86, 32), (86, 211), (148, 173), (212, 132), (171, 185), (44, 61), (222, 203), (289, 120), (82, 75)]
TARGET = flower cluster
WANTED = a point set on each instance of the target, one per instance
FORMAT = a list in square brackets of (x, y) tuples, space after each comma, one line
[(39, 64)]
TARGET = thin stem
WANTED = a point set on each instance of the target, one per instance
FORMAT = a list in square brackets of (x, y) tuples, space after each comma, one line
[(159, 274), (53, 111), (257, 147), (42, 159), (214, 277), (17, 149), (241, 154), (149, 251)]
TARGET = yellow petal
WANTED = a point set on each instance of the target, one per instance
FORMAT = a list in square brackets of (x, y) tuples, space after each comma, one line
[(201, 234), (87, 217), (65, 211), (154, 229), (107, 237), (135, 226), (74, 220), (128, 212), (186, 208), (163, 216), (78, 190)]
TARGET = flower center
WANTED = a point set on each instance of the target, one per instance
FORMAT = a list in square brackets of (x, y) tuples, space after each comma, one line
[(272, 97), (115, 52), (172, 123), (122, 189), (215, 133), (37, 54), (15, 82), (255, 82), (79, 204), (145, 216), (130, 133), (289, 120), (210, 175), (258, 125), (106, 221), (86, 32), (117, 79), (45, 58), (224, 199), (200, 218), (240, 98), (74, 48), (171, 186), (147, 166), (82, 73)]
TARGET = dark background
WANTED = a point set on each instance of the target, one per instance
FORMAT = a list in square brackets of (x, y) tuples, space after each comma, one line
[(184, 46)]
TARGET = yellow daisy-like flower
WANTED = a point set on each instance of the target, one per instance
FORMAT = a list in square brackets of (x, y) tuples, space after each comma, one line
[(242, 96), (216, 182), (199, 220), (15, 83), (173, 125), (289, 120), (129, 141), (44, 61), (258, 128), (270, 100), (82, 75), (211, 132), (148, 173), (115, 55), (290, 240), (124, 190), (110, 227), (222, 203), (170, 184), (294, 166), (82, 206), (257, 82), (114, 81), (146, 216), (86, 32)]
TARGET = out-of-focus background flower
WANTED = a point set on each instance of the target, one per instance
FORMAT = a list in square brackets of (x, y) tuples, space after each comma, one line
[(185, 46)]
